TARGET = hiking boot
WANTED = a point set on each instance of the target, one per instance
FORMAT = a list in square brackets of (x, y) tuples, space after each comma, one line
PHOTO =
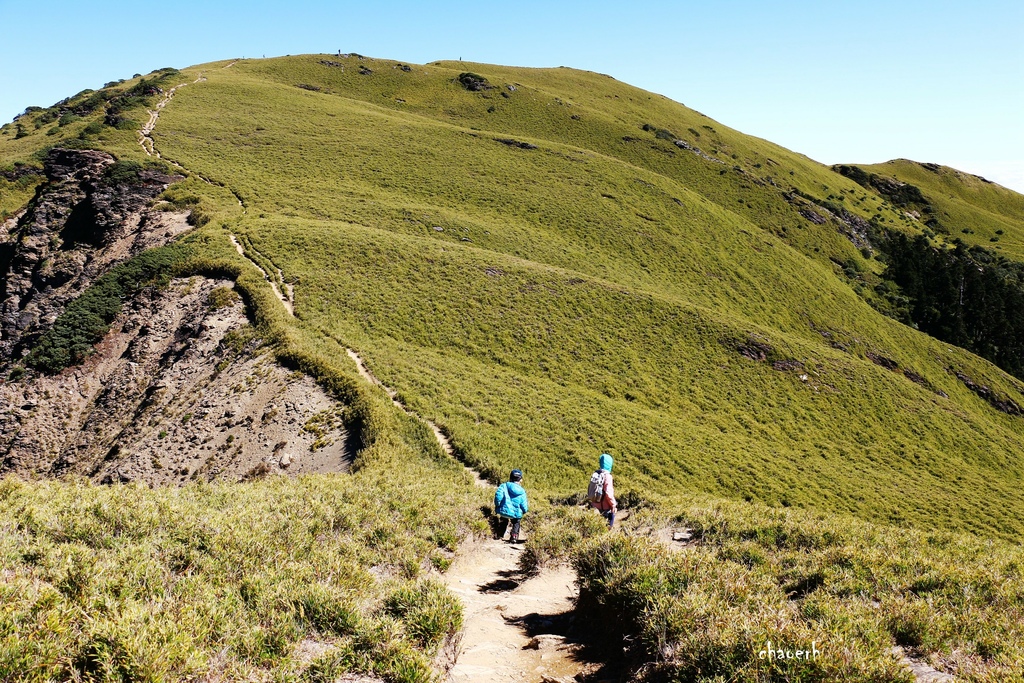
[(514, 538)]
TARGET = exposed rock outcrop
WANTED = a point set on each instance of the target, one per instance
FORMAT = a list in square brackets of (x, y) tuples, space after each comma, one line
[(852, 226), (180, 388), (82, 221), (683, 144), (19, 171), (175, 392), (994, 398)]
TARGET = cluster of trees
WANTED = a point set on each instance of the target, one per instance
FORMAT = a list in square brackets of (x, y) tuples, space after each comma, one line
[(966, 296)]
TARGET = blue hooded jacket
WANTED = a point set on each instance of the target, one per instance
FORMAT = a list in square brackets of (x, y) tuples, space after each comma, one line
[(510, 500), (605, 462)]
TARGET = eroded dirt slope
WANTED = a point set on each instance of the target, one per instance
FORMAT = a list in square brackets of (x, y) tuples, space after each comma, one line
[(83, 220), (179, 389), (176, 391)]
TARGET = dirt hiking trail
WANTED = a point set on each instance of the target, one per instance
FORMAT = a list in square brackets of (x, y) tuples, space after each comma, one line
[(517, 628), (287, 297), (442, 438), (154, 114), (922, 672)]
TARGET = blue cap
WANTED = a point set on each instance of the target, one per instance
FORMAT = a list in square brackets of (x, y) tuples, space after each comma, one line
[(516, 475)]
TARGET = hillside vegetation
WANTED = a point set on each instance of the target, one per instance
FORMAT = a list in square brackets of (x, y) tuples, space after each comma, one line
[(756, 578), (551, 264), (957, 280), (594, 286), (962, 205), (313, 577)]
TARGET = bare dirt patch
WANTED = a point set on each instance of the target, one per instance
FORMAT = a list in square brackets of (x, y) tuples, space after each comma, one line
[(175, 392), (517, 628)]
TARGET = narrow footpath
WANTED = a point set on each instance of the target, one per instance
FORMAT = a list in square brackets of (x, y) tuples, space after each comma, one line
[(286, 297), (518, 627), (442, 438), (145, 140), (515, 626)]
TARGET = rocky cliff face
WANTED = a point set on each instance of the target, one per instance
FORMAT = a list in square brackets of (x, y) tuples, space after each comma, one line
[(176, 391), (179, 389), (82, 221)]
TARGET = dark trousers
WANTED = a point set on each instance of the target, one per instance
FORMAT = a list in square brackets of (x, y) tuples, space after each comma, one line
[(503, 525), (610, 516)]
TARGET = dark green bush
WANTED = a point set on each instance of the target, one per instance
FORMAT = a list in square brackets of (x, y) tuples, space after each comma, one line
[(85, 320), (48, 116), (119, 122), (123, 171), (127, 172), (660, 133), (94, 128)]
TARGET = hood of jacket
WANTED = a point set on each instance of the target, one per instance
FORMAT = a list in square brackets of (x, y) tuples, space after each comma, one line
[(605, 462), (514, 490)]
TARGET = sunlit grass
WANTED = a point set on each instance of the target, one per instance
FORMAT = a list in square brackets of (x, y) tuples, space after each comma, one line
[(755, 575), (131, 583), (543, 306)]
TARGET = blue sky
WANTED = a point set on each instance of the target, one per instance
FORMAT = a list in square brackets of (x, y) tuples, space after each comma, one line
[(854, 82)]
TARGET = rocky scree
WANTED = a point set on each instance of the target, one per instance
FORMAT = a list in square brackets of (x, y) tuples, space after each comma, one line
[(83, 220), (180, 388)]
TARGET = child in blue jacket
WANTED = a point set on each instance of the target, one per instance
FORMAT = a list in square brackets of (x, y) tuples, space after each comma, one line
[(510, 505)]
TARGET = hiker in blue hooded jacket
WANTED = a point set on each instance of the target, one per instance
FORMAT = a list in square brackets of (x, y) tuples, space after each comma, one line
[(510, 505)]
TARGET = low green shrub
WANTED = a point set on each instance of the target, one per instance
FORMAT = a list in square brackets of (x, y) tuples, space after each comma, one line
[(429, 612), (554, 533), (221, 297), (87, 318), (754, 575), (91, 130)]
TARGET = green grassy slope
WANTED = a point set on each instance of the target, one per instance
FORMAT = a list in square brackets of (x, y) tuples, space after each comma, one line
[(975, 210), (594, 292), (606, 290)]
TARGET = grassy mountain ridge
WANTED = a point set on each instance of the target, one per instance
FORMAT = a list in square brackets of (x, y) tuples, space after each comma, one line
[(970, 208), (549, 264), (607, 278)]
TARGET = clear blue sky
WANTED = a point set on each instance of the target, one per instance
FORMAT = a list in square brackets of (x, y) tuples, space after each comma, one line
[(839, 81)]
